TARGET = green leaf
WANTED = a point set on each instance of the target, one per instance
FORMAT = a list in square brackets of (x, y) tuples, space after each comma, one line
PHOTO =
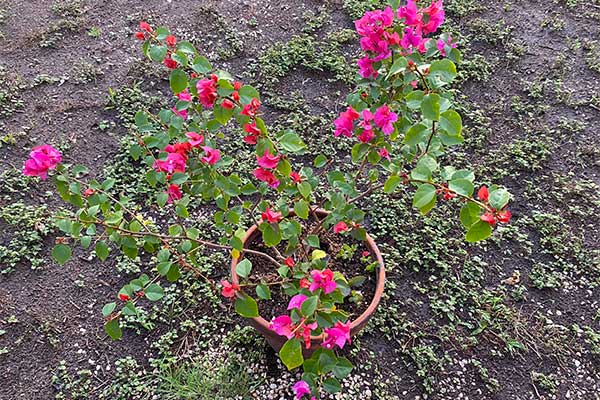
[(61, 253), (442, 72), (416, 134), (479, 231), (178, 178), (431, 107), (320, 161), (301, 208), (154, 292), (399, 64), (247, 93), (246, 306), (243, 268), (291, 354), (305, 189), (392, 183), (186, 47), (451, 122), (271, 235), (181, 211), (108, 309), (113, 329), (292, 143), (414, 99), (263, 291), (174, 274), (102, 250), (423, 195), (313, 241), (201, 65), (318, 254), (158, 53), (332, 385), (342, 368), (499, 198), (178, 81), (421, 173), (223, 115), (461, 186), (162, 198), (469, 214), (163, 267), (309, 306)]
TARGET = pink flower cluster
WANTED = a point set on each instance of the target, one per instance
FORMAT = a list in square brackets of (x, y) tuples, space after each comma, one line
[(322, 280), (284, 326), (41, 160), (266, 165), (384, 119), (207, 91), (378, 36), (176, 160), (302, 388)]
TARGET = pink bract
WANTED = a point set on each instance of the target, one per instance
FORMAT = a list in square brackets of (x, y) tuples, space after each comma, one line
[(337, 336), (42, 159), (322, 280), (212, 155), (296, 301), (268, 160), (301, 388), (207, 92), (282, 325)]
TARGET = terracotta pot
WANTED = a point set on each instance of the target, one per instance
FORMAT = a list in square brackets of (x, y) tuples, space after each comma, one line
[(276, 341)]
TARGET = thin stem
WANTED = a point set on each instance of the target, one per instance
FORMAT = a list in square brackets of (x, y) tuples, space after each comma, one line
[(430, 137)]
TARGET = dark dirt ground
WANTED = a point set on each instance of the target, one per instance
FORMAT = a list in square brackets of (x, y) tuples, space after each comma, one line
[(532, 107)]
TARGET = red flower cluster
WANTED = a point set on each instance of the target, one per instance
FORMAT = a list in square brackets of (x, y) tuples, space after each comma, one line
[(493, 216), (229, 289)]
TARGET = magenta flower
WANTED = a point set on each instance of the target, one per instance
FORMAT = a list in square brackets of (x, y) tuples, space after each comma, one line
[(300, 389), (337, 336), (383, 153), (435, 13), (212, 156), (175, 162), (195, 139), (282, 325), (266, 176), (182, 113), (174, 193), (426, 20), (272, 217), (410, 39), (322, 280), (268, 160), (374, 22), (207, 92), (384, 119), (305, 332), (296, 301), (366, 135), (441, 45), (185, 96), (366, 69), (341, 227), (410, 13), (344, 125), (42, 159)]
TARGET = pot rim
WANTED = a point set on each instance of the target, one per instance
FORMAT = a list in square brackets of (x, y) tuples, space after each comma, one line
[(363, 318)]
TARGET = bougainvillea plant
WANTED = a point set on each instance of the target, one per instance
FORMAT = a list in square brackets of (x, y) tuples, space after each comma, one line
[(400, 119)]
